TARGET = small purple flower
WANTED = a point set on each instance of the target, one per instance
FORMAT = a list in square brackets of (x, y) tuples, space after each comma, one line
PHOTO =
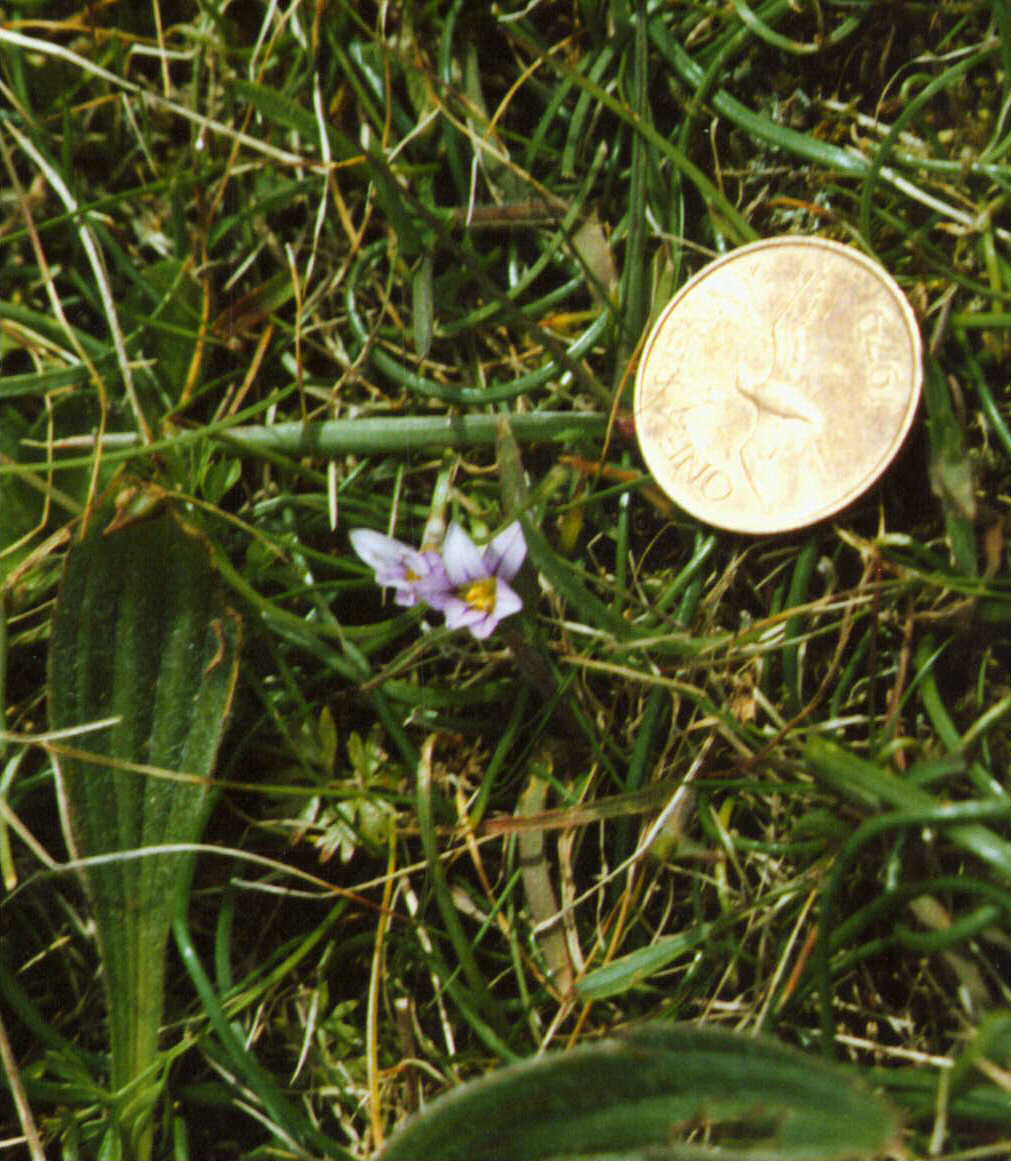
[(416, 576), (478, 594)]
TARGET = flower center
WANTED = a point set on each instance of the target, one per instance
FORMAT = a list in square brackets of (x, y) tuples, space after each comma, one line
[(481, 594)]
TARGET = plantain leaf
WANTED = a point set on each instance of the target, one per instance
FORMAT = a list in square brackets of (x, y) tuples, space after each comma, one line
[(637, 1095), (141, 633)]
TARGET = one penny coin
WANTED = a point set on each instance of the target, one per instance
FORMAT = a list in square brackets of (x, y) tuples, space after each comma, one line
[(778, 384)]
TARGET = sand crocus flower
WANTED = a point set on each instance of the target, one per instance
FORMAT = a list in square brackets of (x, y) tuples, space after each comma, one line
[(415, 576), (478, 594)]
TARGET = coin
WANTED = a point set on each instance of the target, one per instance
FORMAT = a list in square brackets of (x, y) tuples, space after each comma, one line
[(778, 384)]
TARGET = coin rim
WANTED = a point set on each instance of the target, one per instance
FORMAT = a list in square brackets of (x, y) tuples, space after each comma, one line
[(889, 452)]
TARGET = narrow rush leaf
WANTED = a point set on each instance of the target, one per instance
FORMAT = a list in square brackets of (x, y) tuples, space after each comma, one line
[(423, 304), (799, 588), (802, 145), (440, 887), (39, 382), (395, 207), (278, 109), (951, 478), (512, 478), (536, 874), (393, 435), (634, 1096), (875, 788), (141, 634), (630, 971), (634, 299), (592, 247), (167, 303), (584, 604), (736, 224)]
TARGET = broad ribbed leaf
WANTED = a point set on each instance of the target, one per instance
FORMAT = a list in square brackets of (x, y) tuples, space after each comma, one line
[(644, 1094), (140, 633)]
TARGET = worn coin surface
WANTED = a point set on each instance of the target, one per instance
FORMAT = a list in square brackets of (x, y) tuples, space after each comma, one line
[(778, 384)]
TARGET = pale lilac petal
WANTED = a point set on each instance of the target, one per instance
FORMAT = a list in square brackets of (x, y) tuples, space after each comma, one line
[(485, 627), (442, 598), (386, 556), (415, 576), (505, 554), (433, 581), (460, 615), (507, 601), (463, 559)]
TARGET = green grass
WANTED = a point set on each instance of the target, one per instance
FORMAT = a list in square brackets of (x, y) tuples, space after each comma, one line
[(292, 265)]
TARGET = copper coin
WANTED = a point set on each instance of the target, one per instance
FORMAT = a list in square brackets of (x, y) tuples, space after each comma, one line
[(778, 384)]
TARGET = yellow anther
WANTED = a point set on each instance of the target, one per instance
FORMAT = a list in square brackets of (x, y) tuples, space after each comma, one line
[(481, 594)]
